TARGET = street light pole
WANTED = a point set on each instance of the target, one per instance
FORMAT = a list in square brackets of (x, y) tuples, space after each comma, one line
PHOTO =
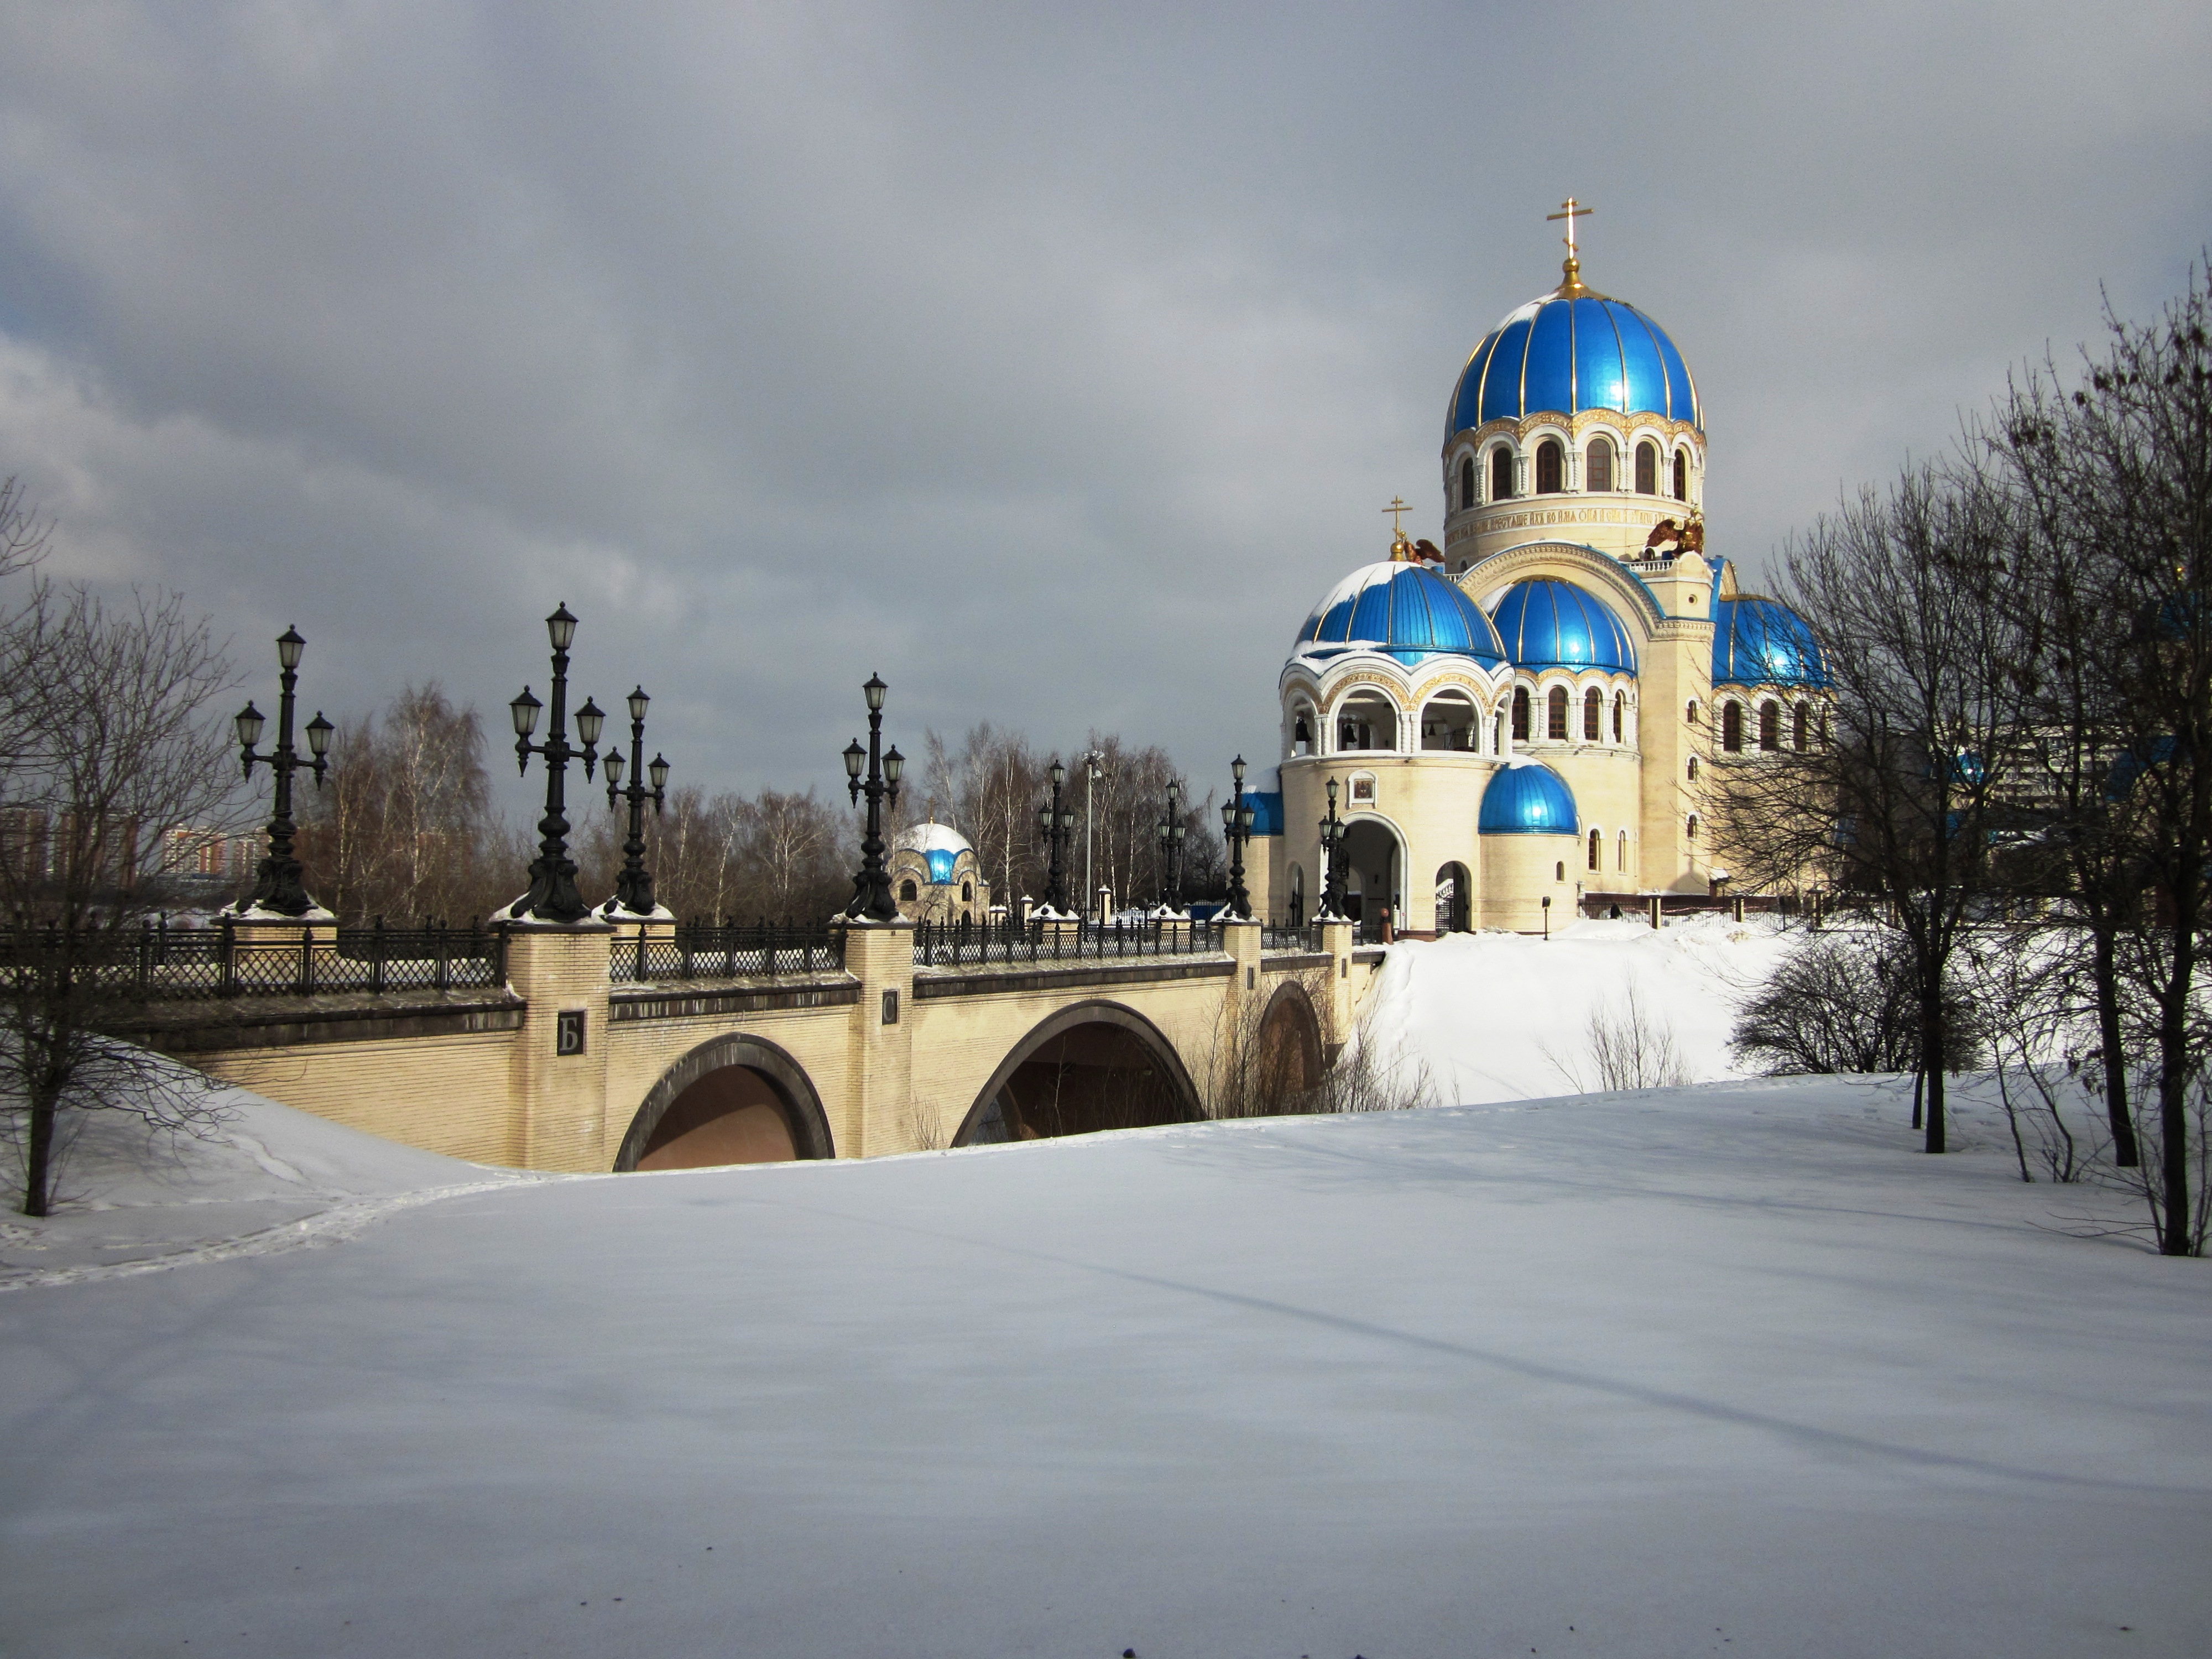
[(553, 895), (277, 887), (1332, 851), (1237, 827), (1057, 825), (1171, 831), (634, 887), (871, 887), (1091, 774)]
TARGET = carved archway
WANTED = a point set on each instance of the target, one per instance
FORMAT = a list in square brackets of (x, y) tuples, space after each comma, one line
[(1291, 1052), (1048, 1083), (773, 1077)]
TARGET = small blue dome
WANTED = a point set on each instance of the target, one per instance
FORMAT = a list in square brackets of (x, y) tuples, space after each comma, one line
[(1764, 642), (1527, 797), (1405, 610), (1570, 354), (1545, 623)]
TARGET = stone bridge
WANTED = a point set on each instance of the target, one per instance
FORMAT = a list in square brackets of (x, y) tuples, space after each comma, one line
[(581, 1048)]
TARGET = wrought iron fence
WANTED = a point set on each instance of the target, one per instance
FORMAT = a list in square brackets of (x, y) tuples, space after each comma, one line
[(979, 944), (1281, 936), (730, 950), (160, 962)]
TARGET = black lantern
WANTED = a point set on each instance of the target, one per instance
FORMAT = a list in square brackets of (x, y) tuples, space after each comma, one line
[(553, 895), (277, 887), (872, 886), (633, 886)]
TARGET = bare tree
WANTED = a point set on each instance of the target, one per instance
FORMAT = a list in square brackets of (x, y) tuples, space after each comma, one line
[(405, 828), (2118, 470), (111, 747), (1894, 806), (1843, 1000)]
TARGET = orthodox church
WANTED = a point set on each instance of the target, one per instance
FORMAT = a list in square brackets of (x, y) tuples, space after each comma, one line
[(1520, 726)]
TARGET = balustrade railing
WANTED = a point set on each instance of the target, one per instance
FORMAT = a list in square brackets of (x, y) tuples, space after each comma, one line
[(729, 950), (157, 962), (982, 945), (1285, 936)]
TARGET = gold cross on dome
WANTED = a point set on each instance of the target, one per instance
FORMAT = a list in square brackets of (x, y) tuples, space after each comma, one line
[(1397, 510), (1570, 210)]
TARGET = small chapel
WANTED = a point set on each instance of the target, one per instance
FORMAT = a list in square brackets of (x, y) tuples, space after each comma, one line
[(1519, 725)]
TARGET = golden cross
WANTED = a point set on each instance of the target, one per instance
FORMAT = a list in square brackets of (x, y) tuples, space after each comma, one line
[(1570, 210), (1397, 508)]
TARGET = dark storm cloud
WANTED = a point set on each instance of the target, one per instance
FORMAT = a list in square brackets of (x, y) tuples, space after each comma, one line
[(1050, 363)]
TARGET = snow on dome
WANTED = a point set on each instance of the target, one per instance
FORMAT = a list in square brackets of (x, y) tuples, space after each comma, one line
[(1404, 610), (939, 844), (1548, 623), (1571, 350), (1527, 797)]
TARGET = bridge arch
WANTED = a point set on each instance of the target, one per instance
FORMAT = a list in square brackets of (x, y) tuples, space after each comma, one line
[(1291, 1057), (1091, 1066), (734, 1093)]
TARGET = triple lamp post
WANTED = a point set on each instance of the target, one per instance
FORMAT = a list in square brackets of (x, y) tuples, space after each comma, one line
[(1171, 831), (871, 887), (634, 887), (277, 888), (553, 895), (1056, 825), (1333, 861), (1236, 821)]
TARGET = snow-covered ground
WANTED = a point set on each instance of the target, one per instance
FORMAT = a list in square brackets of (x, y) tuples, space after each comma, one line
[(1723, 1370), (1496, 1017)]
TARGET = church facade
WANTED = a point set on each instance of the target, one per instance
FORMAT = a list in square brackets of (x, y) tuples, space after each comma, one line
[(1532, 712)]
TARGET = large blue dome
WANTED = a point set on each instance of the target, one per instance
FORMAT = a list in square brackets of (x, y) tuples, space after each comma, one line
[(1548, 623), (1570, 354), (1759, 641), (1527, 797), (1406, 611)]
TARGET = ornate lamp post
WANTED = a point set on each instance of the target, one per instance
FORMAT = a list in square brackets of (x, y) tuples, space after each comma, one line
[(1171, 831), (1332, 857), (871, 887), (634, 887), (277, 886), (1057, 827), (553, 895), (1236, 827)]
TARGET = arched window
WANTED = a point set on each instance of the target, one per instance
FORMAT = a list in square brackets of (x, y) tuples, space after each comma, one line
[(908, 891), (1593, 715), (1621, 717), (1555, 725), (1600, 475), (1596, 848), (1693, 768), (1521, 713), (1301, 737), (967, 892), (1501, 474), (1647, 468), (1691, 827), (1467, 483), (1559, 871), (1550, 462), (1690, 715), (1623, 864), (1681, 475), (1770, 726), (1800, 727), (1732, 727)]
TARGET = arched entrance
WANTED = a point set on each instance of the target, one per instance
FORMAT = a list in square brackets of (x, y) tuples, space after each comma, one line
[(735, 1099), (1454, 894), (1375, 873), (1094, 1065)]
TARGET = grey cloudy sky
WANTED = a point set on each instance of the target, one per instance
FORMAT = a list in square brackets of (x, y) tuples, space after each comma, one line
[(1051, 361)]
